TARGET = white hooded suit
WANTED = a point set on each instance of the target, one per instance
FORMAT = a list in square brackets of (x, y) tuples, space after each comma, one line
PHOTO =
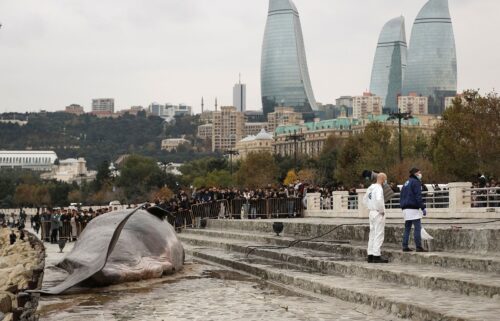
[(374, 201)]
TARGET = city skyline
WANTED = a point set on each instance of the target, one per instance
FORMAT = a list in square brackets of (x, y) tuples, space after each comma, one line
[(56, 54)]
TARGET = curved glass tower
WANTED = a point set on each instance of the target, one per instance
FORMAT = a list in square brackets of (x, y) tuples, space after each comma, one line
[(389, 64), (284, 75), (432, 58)]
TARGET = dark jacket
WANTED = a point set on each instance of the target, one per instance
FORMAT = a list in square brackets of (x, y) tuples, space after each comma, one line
[(411, 194)]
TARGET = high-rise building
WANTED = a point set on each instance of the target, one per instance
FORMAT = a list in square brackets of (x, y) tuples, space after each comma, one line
[(228, 128), (344, 101), (366, 105), (283, 116), (389, 64), (240, 97), (432, 59), (74, 109), (252, 129), (156, 109), (414, 104), (103, 106), (284, 74), (344, 105)]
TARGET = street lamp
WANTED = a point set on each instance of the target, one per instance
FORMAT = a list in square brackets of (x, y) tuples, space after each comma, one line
[(296, 138), (231, 152), (400, 116)]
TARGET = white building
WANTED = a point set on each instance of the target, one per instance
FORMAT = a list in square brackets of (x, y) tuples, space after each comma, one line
[(169, 111), (416, 105), (448, 101), (240, 97), (156, 109), (71, 170), (262, 142), (171, 144), (103, 105), (365, 105), (171, 168), (14, 121), (33, 160)]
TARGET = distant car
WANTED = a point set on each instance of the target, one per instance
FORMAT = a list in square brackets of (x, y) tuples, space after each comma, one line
[(114, 203)]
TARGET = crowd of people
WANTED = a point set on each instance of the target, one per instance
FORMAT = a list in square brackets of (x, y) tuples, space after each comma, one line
[(486, 192), (68, 223), (54, 223), (185, 200)]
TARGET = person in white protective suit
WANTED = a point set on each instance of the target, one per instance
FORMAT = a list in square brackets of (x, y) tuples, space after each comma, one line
[(374, 201)]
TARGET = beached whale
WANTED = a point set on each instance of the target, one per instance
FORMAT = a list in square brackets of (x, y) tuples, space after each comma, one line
[(119, 247)]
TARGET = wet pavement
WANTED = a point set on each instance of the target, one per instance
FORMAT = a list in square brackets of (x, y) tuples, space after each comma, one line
[(199, 292)]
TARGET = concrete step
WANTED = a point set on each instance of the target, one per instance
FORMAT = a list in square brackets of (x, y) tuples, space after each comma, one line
[(400, 300), (355, 249), (472, 236), (426, 277)]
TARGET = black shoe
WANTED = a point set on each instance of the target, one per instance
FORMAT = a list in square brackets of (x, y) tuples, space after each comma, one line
[(370, 258), (379, 259), (421, 249), (408, 250)]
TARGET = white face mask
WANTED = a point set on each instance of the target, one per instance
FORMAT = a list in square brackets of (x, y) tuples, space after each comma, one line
[(419, 176)]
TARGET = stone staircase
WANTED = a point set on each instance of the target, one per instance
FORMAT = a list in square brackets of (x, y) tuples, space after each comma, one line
[(461, 282)]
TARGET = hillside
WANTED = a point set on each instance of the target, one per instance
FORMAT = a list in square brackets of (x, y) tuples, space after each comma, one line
[(96, 139)]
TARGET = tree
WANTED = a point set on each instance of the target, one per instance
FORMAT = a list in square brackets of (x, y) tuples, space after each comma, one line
[(163, 194), (291, 177), (327, 160), (308, 175), (257, 170), (467, 141), (103, 175), (140, 175)]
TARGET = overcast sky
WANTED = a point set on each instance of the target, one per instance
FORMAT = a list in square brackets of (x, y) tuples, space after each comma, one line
[(57, 52)]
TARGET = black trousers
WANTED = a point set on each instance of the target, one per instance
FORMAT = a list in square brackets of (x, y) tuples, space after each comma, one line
[(53, 236)]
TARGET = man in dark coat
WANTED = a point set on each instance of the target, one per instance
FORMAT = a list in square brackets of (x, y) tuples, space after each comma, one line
[(54, 227)]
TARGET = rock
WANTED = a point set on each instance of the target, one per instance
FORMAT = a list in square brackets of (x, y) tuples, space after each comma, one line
[(5, 303)]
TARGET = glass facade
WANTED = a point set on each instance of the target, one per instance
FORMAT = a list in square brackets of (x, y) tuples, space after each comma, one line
[(389, 65), (284, 75), (432, 59)]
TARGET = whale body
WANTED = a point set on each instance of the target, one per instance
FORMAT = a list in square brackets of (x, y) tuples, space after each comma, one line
[(119, 247)]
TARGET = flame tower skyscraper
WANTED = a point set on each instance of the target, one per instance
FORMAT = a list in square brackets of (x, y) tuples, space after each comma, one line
[(284, 74), (432, 58)]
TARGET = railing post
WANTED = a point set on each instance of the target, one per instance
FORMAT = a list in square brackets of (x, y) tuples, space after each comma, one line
[(313, 201), (460, 196), (338, 201), (362, 210)]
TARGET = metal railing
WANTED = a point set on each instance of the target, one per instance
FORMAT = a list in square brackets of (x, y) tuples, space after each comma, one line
[(482, 197), (434, 199), (250, 209), (326, 202), (350, 202)]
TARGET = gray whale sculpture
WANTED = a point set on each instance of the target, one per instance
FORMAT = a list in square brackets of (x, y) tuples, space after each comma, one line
[(121, 246)]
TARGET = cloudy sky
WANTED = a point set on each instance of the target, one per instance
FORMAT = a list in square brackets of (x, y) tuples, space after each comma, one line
[(57, 52)]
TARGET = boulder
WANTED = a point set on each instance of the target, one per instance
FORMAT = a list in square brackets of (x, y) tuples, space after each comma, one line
[(5, 303)]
